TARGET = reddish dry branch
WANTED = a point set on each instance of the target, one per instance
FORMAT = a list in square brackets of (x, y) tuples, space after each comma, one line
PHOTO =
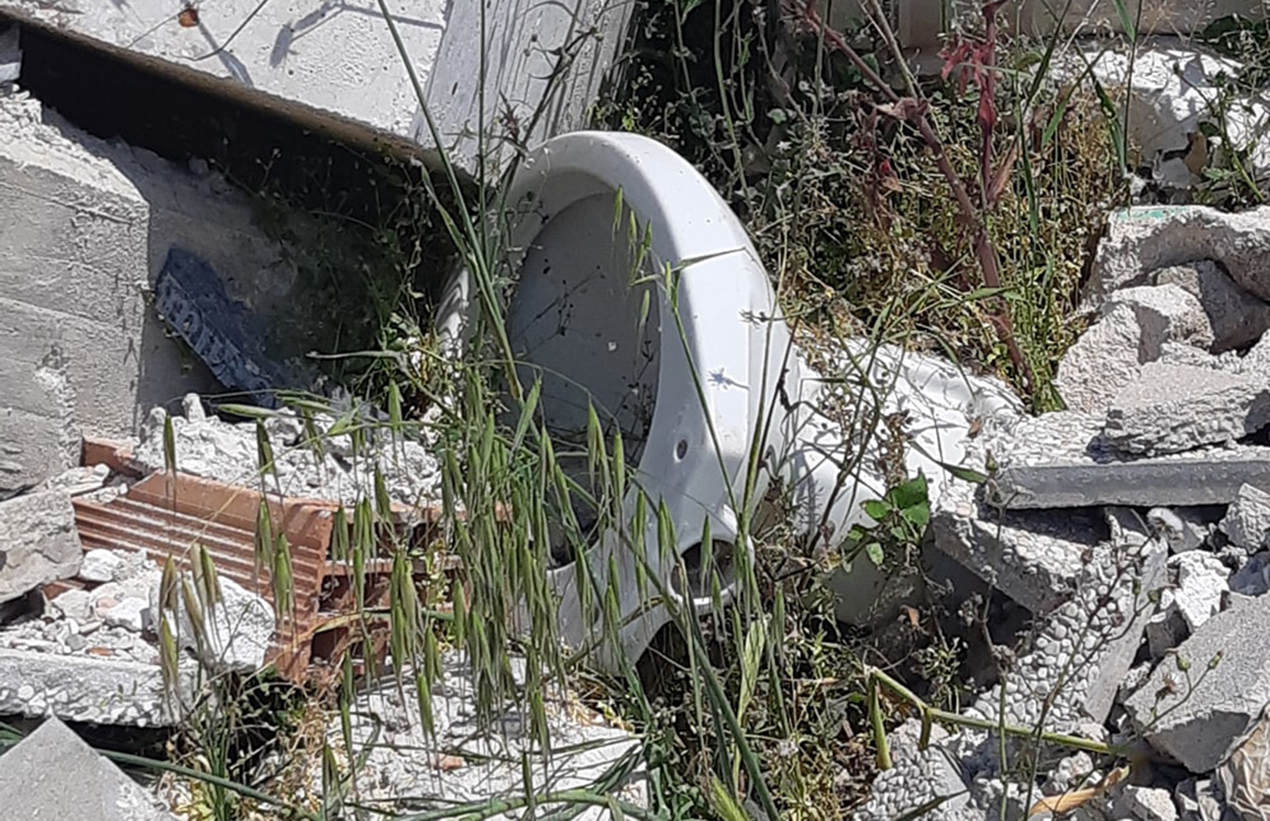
[(914, 111)]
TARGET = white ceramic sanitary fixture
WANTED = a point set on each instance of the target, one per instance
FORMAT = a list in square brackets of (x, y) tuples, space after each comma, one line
[(591, 316), (596, 218)]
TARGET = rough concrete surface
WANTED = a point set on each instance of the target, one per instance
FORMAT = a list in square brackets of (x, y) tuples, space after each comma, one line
[(406, 770), (53, 774), (1061, 460), (1237, 317), (1194, 716), (209, 447), (1145, 239), (1084, 648), (1103, 360), (39, 542), (1176, 408), (1247, 520), (83, 688), (1165, 313)]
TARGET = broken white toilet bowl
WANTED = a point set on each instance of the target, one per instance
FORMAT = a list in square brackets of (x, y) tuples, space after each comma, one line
[(598, 219)]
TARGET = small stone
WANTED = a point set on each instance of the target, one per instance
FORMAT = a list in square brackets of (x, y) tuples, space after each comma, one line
[(75, 642), (74, 604), (1253, 579), (1147, 804), (128, 613), (1180, 534), (100, 566)]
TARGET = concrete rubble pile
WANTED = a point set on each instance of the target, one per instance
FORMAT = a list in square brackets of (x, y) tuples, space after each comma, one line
[(1135, 528)]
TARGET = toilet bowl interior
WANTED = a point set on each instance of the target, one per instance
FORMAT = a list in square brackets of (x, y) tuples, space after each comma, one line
[(586, 321)]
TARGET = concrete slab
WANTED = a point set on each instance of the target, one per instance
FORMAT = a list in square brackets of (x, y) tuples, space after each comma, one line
[(1176, 408), (38, 542), (83, 689), (1145, 239), (334, 66), (1061, 460), (1085, 647), (52, 773), (1195, 715)]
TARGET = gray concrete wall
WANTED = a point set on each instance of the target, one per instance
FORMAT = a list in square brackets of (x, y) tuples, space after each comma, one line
[(85, 227)]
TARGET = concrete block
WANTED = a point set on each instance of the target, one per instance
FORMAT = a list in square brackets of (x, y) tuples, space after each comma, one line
[(84, 688), (1195, 715), (335, 67), (1237, 317), (85, 226), (39, 542), (1165, 313), (52, 773), (1060, 460), (1103, 360), (1172, 409), (1247, 521)]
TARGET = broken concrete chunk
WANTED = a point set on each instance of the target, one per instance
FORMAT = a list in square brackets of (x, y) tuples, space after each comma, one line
[(52, 773), (1173, 409), (1102, 361), (1237, 317), (1195, 715), (238, 628), (1201, 587), (1146, 804), (1060, 460), (39, 542), (1247, 522), (1084, 649), (1142, 240), (1165, 313)]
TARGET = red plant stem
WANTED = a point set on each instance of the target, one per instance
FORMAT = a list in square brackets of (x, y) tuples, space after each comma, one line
[(984, 252)]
